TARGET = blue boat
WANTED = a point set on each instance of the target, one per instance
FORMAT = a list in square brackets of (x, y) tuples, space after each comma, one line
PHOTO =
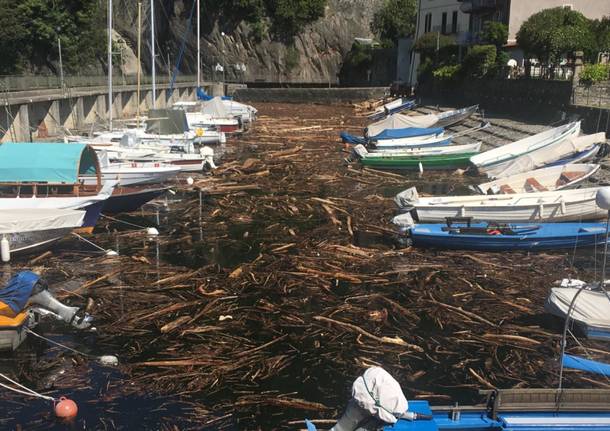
[(512, 410), (461, 234), (409, 104), (128, 199), (411, 136)]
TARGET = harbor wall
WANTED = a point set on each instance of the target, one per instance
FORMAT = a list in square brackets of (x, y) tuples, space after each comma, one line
[(40, 114), (310, 95)]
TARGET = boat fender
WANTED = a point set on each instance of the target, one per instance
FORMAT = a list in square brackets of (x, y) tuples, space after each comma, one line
[(602, 198), (5, 249), (494, 232)]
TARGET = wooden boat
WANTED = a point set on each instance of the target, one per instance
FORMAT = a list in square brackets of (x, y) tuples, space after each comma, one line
[(29, 229), (493, 162), (51, 176), (561, 205), (540, 180), (424, 158), (461, 234), (575, 149), (127, 199), (441, 119)]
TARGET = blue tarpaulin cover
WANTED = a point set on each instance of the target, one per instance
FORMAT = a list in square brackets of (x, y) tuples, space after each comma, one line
[(46, 162), (18, 290), (202, 95), (578, 363), (351, 139), (408, 132)]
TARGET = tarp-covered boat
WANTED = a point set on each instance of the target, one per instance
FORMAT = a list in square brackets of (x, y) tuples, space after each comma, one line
[(561, 205), (490, 236), (591, 309), (495, 161), (574, 149), (441, 119), (26, 229), (540, 180), (51, 175)]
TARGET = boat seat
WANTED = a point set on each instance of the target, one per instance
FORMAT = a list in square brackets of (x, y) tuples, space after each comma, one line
[(567, 177), (506, 189), (534, 184)]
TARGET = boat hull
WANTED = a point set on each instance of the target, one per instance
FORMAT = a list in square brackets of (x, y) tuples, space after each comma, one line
[(130, 200), (453, 161), (546, 237)]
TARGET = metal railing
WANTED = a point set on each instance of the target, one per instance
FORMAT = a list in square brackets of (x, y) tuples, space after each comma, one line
[(38, 82)]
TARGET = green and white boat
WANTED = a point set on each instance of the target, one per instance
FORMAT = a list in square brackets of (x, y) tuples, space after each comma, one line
[(438, 158)]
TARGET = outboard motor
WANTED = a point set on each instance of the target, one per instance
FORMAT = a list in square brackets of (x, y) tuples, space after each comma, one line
[(28, 288), (377, 400), (208, 154)]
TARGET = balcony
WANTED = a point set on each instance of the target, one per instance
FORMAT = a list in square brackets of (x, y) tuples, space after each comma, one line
[(480, 6)]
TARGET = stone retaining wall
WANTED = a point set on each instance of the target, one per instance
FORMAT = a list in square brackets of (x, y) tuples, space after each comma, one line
[(309, 95)]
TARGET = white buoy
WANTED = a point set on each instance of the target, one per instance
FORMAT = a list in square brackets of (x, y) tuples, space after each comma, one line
[(5, 249), (152, 231), (110, 360), (602, 198), (111, 253), (190, 181)]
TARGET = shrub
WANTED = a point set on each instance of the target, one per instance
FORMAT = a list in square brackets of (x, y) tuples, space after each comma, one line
[(447, 73), (594, 73), (479, 60), (428, 43)]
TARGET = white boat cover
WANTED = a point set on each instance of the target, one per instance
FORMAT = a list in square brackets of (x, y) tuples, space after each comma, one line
[(591, 308), (401, 121), (377, 392), (214, 108), (541, 157), (31, 220)]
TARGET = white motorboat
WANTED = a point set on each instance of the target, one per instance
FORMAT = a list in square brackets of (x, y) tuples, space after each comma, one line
[(132, 173)]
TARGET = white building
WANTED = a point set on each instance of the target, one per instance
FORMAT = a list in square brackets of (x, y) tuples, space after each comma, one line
[(439, 16)]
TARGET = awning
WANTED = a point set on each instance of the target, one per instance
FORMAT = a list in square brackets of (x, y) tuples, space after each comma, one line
[(46, 162)]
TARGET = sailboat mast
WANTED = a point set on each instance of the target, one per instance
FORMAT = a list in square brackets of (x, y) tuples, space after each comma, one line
[(110, 65), (198, 45), (152, 50), (139, 62)]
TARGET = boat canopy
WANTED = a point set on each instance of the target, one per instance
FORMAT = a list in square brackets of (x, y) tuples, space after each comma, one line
[(32, 220), (55, 163), (408, 132), (166, 122), (214, 108)]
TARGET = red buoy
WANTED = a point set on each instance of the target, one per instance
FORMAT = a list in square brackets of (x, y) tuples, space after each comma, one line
[(66, 408)]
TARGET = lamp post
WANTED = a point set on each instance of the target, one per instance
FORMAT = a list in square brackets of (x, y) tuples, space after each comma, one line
[(223, 34), (61, 64)]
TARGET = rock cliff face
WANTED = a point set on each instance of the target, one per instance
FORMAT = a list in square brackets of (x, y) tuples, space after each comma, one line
[(315, 55)]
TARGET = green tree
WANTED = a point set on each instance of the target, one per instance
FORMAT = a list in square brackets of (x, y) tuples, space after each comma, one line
[(479, 60), (290, 16), (553, 33), (494, 33), (601, 32), (395, 19), (11, 38)]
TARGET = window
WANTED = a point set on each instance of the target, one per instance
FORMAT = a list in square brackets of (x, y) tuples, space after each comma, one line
[(428, 23), (454, 16), (444, 23)]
